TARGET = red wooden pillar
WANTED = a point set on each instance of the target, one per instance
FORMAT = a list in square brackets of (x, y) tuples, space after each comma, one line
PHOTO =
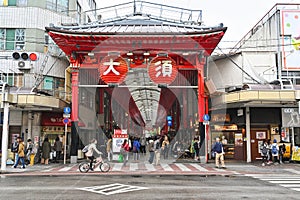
[(201, 92), (75, 92)]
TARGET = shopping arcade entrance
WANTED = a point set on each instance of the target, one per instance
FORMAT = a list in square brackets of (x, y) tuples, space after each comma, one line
[(137, 103)]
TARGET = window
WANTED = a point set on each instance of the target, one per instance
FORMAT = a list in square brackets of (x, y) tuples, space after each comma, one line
[(20, 39), (79, 10), (58, 5), (12, 39), (2, 39)]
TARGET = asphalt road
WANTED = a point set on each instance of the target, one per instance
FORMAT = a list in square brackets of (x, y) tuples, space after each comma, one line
[(141, 187)]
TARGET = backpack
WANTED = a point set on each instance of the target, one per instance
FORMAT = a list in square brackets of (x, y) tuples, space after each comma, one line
[(85, 148), (274, 149), (15, 147), (157, 145), (264, 150)]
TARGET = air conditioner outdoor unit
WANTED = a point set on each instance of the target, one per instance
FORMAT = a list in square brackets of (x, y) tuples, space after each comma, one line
[(22, 65)]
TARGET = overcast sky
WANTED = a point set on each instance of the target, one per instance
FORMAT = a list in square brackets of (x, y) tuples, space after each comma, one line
[(238, 15)]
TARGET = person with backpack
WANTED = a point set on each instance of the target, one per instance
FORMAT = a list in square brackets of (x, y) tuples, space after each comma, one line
[(125, 148), (90, 153), (264, 152), (275, 150), (219, 152), (14, 149), (21, 153), (136, 148)]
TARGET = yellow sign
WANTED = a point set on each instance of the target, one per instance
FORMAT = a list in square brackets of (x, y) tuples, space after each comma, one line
[(296, 153)]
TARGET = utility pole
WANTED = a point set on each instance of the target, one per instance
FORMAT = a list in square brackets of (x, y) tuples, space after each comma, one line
[(5, 106)]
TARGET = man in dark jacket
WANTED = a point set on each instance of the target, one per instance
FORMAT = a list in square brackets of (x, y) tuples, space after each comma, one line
[(219, 152)]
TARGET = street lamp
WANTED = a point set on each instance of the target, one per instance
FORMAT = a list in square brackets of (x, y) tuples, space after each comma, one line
[(5, 105)]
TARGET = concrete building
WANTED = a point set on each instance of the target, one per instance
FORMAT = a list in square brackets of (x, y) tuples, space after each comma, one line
[(254, 89), (34, 67)]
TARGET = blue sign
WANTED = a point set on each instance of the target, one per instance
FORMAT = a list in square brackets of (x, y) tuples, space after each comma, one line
[(169, 118), (206, 117), (169, 123), (66, 120), (67, 110)]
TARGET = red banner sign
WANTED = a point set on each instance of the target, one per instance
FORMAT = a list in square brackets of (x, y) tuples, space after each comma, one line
[(162, 70), (113, 69)]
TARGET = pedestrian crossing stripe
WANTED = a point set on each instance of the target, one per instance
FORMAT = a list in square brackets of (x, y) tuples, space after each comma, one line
[(146, 167), (288, 181), (110, 189)]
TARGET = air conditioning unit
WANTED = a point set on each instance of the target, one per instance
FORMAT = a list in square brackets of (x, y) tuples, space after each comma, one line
[(24, 65)]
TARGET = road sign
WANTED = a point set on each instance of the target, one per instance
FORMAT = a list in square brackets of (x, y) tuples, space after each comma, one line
[(206, 117), (205, 122), (66, 115), (66, 120), (67, 110)]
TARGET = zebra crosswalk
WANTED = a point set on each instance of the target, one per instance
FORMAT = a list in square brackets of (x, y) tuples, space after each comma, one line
[(290, 181), (145, 168)]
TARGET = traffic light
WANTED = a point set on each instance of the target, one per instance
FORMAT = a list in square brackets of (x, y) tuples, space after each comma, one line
[(24, 59), (169, 120), (24, 56)]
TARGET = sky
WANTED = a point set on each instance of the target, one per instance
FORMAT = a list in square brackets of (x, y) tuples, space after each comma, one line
[(239, 16)]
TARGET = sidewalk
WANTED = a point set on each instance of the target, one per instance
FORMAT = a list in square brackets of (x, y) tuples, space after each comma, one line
[(170, 166)]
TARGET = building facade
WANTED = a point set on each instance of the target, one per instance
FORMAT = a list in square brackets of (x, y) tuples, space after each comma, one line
[(34, 67), (254, 89)]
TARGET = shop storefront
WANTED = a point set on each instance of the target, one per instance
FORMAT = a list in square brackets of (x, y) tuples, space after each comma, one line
[(53, 127), (230, 135), (290, 133)]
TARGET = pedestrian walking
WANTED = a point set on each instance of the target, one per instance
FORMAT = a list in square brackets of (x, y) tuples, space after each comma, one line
[(21, 153), (90, 153), (264, 151), (219, 153), (151, 151), (58, 149), (165, 147), (143, 145), (136, 148), (31, 151), (157, 150), (282, 150), (15, 148), (269, 158), (125, 151), (196, 148), (109, 148), (275, 150), (46, 149)]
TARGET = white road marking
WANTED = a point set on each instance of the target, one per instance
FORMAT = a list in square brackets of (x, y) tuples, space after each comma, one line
[(133, 166), (150, 167), (202, 169), (183, 167), (66, 168), (166, 167), (111, 189), (117, 167)]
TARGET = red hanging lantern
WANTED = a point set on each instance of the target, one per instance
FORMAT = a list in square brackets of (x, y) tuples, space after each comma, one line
[(162, 70), (113, 69)]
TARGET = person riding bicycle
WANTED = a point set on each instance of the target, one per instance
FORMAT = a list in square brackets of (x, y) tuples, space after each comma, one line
[(90, 152)]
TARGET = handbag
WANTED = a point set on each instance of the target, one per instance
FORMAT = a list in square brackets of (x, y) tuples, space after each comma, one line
[(121, 158)]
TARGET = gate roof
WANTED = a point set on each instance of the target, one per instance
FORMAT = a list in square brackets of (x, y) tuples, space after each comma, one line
[(136, 32)]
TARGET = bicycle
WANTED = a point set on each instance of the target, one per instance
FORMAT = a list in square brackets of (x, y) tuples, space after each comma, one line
[(84, 166)]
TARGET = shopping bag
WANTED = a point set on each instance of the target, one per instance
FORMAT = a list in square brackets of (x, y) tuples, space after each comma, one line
[(121, 158)]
